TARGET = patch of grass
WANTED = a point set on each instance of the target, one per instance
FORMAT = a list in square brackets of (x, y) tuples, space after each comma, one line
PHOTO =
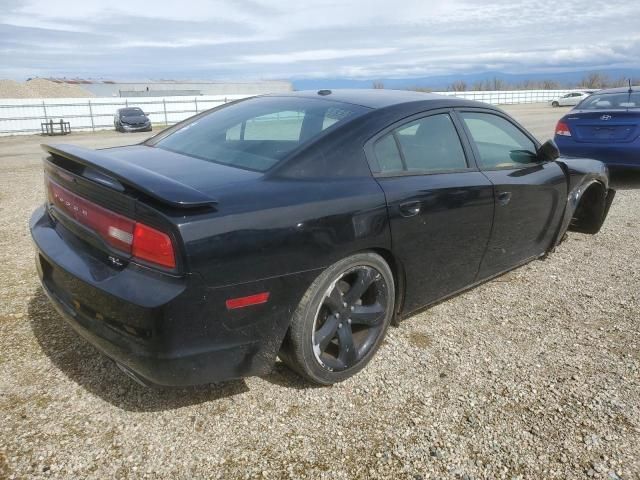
[(419, 340)]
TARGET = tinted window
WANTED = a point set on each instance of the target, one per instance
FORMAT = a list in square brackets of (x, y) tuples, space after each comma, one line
[(256, 134), (430, 144), (334, 115), (499, 142), (387, 154), (285, 125), (131, 112), (604, 101)]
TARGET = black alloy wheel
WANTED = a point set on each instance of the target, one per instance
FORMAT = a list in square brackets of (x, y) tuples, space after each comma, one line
[(350, 318), (342, 319)]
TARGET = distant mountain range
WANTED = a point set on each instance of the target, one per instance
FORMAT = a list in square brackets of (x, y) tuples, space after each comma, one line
[(441, 82)]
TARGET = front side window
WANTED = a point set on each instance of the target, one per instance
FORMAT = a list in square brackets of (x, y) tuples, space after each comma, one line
[(427, 145), (258, 133), (499, 142)]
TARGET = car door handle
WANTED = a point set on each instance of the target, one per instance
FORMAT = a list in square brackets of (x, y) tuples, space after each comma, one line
[(410, 209), (504, 198)]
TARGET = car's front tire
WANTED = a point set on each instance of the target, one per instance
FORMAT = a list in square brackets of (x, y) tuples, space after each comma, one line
[(555, 104), (341, 320)]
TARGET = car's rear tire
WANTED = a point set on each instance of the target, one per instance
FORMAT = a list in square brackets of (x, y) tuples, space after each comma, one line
[(341, 320), (555, 104)]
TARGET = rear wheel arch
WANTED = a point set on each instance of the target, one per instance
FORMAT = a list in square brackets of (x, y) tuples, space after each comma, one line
[(398, 276)]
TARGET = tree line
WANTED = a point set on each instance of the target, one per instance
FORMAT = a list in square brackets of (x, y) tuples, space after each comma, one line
[(594, 80)]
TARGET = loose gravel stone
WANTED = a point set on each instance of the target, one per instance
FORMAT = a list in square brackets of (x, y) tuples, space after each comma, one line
[(535, 375)]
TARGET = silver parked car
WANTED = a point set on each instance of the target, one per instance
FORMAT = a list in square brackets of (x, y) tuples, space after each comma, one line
[(570, 99)]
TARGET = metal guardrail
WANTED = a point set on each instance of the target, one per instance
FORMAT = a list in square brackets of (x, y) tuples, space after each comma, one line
[(25, 116)]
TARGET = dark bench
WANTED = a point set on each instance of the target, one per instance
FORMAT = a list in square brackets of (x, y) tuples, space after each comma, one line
[(55, 128)]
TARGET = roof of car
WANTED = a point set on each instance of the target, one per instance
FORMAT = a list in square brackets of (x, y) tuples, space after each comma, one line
[(371, 98), (619, 90)]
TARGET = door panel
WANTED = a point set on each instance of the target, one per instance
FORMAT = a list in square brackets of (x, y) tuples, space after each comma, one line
[(530, 195), (440, 206), (529, 204), (440, 225)]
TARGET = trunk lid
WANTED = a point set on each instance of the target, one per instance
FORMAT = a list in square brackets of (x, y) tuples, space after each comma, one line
[(126, 203), (604, 126), (172, 179)]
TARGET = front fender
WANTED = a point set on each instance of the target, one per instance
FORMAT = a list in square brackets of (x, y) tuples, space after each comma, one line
[(584, 170)]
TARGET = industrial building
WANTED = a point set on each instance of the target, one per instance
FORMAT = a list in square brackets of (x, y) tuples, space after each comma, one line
[(165, 88)]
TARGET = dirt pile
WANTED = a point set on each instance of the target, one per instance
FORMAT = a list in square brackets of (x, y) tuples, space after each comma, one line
[(41, 88)]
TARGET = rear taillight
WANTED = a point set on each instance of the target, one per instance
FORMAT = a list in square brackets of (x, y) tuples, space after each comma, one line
[(563, 129), (126, 235), (152, 246)]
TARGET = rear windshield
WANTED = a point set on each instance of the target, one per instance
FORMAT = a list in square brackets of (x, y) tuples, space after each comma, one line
[(256, 134), (607, 101), (131, 112)]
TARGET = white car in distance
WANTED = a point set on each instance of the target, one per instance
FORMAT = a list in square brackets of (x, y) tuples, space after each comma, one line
[(570, 99)]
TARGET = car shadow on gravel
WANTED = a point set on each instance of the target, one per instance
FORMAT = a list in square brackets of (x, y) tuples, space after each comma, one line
[(625, 179), (283, 376), (87, 367)]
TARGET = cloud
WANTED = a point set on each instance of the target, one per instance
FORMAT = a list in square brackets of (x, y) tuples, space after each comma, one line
[(318, 38), (316, 55)]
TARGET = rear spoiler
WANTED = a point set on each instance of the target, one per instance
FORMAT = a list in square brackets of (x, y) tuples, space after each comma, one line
[(159, 187)]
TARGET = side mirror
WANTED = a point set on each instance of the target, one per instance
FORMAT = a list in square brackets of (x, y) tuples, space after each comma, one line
[(523, 156), (548, 151)]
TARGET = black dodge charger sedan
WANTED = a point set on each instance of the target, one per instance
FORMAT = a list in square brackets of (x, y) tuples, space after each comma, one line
[(297, 225)]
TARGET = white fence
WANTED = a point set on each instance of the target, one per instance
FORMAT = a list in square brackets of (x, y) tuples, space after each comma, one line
[(510, 97), (25, 116)]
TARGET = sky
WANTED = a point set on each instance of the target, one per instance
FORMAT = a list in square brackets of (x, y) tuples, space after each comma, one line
[(277, 39)]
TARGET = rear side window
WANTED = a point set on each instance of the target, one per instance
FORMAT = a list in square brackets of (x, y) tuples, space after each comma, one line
[(256, 134), (499, 142), (427, 145), (388, 155)]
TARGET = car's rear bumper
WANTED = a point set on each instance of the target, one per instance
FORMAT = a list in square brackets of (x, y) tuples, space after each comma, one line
[(165, 330), (616, 155), (151, 367)]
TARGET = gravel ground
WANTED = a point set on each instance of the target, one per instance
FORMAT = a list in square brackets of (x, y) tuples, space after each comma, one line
[(533, 375)]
